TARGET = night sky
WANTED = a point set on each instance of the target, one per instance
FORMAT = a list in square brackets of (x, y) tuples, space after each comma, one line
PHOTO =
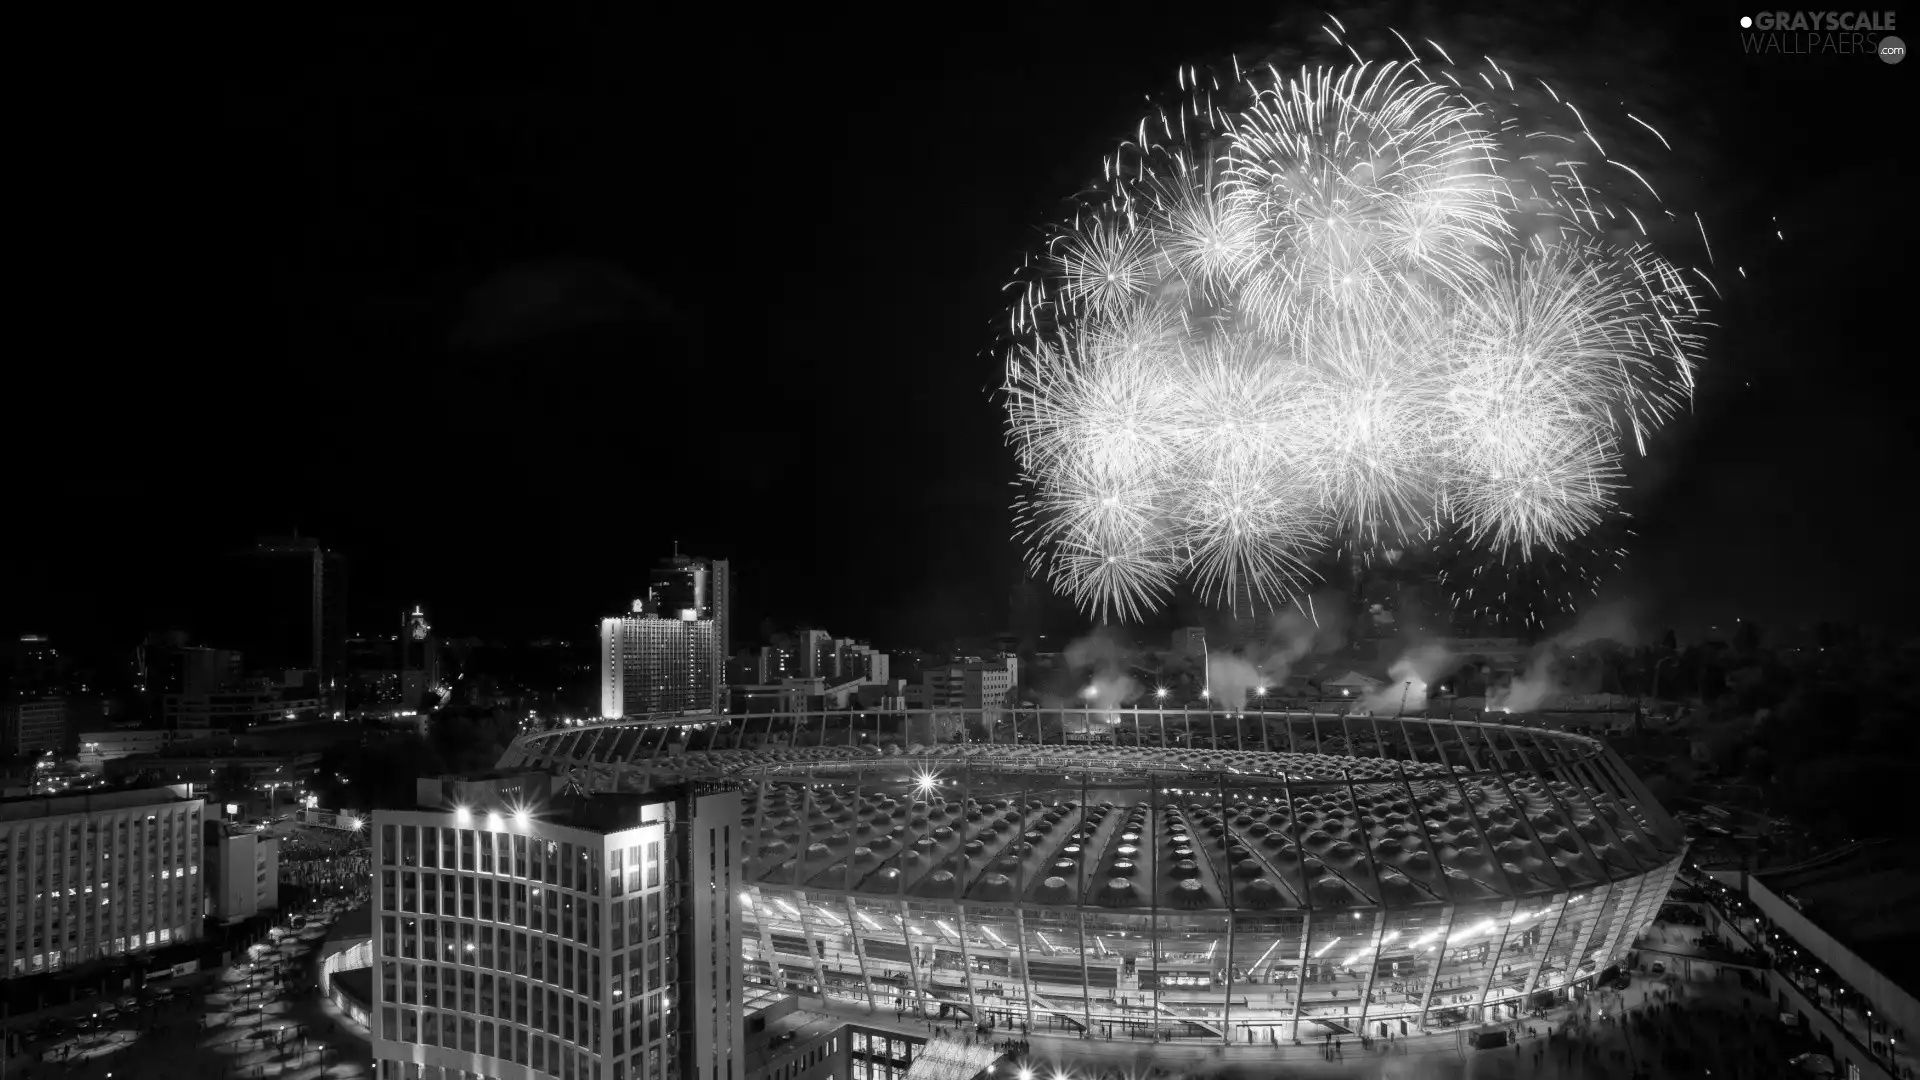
[(505, 310)]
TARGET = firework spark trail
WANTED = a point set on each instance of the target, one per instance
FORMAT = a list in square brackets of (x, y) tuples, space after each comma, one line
[(1348, 310)]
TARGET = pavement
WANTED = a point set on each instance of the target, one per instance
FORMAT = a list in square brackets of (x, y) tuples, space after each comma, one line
[(1610, 1036), (258, 1018)]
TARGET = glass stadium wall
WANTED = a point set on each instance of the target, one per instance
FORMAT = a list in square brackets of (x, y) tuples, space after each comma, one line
[(1235, 978), (1294, 971)]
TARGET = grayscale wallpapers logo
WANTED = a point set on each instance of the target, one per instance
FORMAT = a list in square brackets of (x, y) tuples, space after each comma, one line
[(1822, 33)]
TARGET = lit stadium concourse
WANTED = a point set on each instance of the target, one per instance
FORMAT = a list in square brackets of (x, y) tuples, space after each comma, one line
[(1295, 875)]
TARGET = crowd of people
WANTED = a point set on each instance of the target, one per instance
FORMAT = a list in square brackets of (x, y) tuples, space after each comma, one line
[(1612, 1037), (325, 862)]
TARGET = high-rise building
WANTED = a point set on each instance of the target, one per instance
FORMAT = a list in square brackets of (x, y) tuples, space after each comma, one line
[(243, 872), (974, 687), (234, 708), (283, 606), (805, 654), (33, 725), (197, 672), (859, 660), (523, 931), (34, 667), (813, 652), (1025, 614), (419, 656), (83, 877), (652, 664), (704, 586)]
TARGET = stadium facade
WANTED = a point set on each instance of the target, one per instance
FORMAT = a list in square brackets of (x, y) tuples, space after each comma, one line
[(1267, 877)]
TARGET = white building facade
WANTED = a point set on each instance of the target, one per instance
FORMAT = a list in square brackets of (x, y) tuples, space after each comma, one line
[(520, 936), (652, 666), (86, 877), (243, 872)]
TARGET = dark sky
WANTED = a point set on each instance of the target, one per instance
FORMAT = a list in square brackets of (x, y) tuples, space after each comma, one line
[(504, 310)]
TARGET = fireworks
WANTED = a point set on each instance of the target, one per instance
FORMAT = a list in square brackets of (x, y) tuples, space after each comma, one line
[(1344, 311)]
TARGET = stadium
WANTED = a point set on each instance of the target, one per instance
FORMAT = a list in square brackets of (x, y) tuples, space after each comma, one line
[(1267, 877)]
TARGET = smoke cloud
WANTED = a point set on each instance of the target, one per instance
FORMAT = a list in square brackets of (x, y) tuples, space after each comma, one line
[(1231, 679), (1101, 659), (1532, 689), (1543, 679), (1408, 681), (1606, 622), (1099, 651)]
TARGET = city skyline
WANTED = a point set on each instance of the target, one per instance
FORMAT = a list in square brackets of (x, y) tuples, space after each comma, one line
[(1024, 541), (488, 303)]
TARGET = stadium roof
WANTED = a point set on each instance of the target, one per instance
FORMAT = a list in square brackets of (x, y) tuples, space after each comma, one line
[(1385, 811)]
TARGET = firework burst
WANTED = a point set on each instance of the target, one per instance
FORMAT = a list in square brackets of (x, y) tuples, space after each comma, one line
[(1352, 308)]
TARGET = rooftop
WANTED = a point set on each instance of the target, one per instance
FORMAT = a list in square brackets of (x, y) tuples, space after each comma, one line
[(27, 807), (512, 791), (798, 1026)]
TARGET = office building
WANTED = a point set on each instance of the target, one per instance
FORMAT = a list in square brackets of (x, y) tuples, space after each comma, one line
[(859, 660), (243, 872), (704, 586), (173, 667), (236, 708), (84, 877), (34, 726), (419, 658), (976, 685), (34, 668), (283, 605), (1026, 610), (99, 747), (523, 932), (805, 654), (654, 665), (817, 655)]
